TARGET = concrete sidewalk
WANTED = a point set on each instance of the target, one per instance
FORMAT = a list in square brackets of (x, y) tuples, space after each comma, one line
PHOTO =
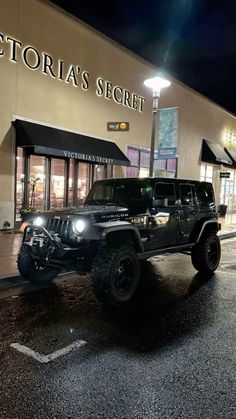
[(10, 243)]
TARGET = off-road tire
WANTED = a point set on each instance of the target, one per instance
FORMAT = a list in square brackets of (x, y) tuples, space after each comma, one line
[(115, 275), (31, 270), (206, 254)]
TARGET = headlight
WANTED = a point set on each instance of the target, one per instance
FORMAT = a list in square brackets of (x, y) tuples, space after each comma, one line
[(39, 221), (79, 226)]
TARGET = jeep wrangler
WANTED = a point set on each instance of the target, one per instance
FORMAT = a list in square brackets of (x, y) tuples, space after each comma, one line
[(123, 223)]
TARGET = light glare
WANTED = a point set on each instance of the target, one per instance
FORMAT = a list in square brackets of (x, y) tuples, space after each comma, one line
[(157, 83), (38, 221), (79, 226)]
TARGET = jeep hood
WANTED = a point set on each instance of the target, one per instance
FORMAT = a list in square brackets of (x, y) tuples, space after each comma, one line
[(96, 212)]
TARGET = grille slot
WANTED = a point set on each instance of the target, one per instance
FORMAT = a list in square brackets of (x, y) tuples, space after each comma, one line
[(59, 226)]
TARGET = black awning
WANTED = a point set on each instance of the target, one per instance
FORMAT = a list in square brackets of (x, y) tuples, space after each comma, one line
[(232, 155), (56, 142), (214, 153)]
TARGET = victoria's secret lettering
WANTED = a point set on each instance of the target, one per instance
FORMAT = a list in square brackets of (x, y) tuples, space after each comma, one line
[(119, 95), (14, 50), (88, 157)]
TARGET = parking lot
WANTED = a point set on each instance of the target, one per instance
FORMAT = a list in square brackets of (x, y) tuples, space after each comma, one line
[(170, 354)]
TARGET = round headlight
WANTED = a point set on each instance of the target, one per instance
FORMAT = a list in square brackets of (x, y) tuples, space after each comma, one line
[(79, 226), (38, 222)]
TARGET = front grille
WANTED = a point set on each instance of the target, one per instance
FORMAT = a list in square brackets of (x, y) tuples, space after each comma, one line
[(62, 227)]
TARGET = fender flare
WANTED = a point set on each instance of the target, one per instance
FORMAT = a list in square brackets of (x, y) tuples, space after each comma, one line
[(206, 223), (110, 227)]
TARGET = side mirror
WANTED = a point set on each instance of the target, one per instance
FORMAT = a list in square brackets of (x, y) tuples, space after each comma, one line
[(162, 202)]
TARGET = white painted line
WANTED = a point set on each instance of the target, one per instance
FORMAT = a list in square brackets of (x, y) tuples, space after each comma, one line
[(44, 359)]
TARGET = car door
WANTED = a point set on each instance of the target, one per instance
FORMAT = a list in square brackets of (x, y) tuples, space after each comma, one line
[(189, 210), (164, 223)]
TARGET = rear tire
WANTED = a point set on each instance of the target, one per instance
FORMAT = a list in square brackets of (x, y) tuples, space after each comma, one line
[(115, 275), (32, 270), (206, 254)]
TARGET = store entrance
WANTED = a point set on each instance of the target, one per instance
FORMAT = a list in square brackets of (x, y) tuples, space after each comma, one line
[(228, 191), (44, 182)]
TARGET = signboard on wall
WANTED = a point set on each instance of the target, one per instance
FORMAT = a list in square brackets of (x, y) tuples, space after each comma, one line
[(225, 175), (167, 133)]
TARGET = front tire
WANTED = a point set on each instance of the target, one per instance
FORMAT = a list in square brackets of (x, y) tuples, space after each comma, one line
[(115, 275), (206, 254), (32, 270)]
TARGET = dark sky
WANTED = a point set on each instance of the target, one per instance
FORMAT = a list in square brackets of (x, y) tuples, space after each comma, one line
[(194, 40)]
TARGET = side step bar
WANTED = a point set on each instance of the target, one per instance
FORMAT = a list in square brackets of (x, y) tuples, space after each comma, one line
[(174, 249)]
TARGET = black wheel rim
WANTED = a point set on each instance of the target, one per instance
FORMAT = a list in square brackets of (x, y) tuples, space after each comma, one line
[(124, 275), (39, 267), (212, 254)]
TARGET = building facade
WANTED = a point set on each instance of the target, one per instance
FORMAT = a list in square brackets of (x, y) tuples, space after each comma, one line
[(73, 109)]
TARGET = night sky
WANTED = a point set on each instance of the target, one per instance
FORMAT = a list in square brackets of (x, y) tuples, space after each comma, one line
[(193, 40)]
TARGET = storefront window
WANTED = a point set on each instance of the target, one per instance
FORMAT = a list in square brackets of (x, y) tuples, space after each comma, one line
[(228, 191), (36, 184), (132, 171), (50, 183), (83, 182), (206, 174), (20, 177), (57, 187), (143, 172), (140, 160), (71, 183), (99, 172)]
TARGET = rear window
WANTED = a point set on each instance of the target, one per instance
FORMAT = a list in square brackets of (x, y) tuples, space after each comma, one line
[(165, 190), (206, 193), (187, 194)]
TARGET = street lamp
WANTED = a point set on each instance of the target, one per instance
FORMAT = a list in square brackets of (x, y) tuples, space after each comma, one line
[(157, 83)]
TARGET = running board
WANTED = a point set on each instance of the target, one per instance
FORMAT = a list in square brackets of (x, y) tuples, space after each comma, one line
[(174, 249)]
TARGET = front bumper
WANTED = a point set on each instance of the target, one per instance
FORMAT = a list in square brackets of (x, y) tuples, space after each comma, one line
[(47, 245)]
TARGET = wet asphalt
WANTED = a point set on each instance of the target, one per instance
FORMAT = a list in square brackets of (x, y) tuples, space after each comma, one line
[(169, 354)]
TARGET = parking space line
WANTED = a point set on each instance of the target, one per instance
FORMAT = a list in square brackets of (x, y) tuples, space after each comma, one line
[(44, 359)]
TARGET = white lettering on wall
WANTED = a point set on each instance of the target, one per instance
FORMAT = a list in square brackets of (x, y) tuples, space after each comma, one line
[(230, 138), (72, 74), (119, 95), (2, 40)]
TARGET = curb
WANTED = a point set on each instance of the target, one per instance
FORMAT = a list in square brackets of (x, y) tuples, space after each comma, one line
[(225, 236), (16, 285)]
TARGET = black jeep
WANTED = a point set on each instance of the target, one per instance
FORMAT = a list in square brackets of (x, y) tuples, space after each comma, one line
[(123, 223)]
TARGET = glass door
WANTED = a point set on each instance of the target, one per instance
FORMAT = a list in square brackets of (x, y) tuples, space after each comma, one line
[(83, 182), (20, 182), (37, 182), (57, 183), (229, 193), (98, 172), (70, 184)]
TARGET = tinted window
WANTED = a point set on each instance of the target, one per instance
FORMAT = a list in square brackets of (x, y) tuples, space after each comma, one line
[(121, 191), (165, 190), (187, 194), (205, 193)]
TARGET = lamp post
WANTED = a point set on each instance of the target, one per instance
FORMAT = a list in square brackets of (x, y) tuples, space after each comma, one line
[(156, 83)]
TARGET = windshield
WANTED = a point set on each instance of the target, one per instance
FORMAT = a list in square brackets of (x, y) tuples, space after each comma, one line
[(123, 192)]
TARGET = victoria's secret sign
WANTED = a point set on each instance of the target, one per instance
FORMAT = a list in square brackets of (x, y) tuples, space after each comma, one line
[(14, 50)]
